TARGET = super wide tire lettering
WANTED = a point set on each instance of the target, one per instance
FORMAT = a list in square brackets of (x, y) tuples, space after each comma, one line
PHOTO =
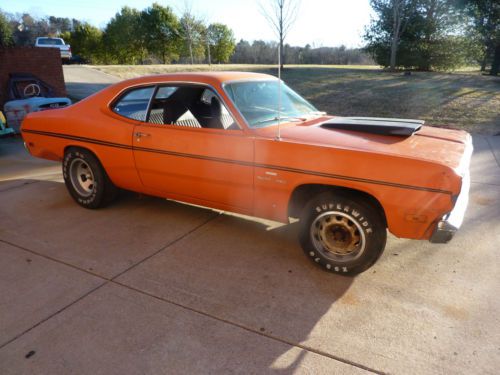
[(358, 211)]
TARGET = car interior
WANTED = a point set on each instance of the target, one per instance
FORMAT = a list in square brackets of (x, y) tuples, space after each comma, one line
[(191, 106)]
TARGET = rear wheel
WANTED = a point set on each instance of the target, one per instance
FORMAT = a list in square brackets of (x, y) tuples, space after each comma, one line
[(343, 234), (86, 180)]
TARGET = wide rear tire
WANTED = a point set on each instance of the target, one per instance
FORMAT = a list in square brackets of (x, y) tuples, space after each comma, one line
[(86, 179)]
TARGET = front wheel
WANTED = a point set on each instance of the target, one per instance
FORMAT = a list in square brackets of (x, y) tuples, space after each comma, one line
[(343, 234), (86, 180)]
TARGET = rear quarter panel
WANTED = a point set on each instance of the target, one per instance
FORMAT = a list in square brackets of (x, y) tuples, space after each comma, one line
[(47, 134)]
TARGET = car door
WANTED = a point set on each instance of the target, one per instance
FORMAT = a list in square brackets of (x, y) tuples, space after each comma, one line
[(190, 148)]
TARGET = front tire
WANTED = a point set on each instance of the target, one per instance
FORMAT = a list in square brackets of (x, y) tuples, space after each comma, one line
[(343, 234), (86, 180)]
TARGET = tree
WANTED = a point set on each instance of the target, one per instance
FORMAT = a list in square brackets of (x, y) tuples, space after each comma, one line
[(59, 25), (281, 15), (221, 42), (485, 22), (400, 12), (242, 53), (5, 31), (123, 38), (429, 27), (86, 41), (161, 29), (193, 33), (26, 29)]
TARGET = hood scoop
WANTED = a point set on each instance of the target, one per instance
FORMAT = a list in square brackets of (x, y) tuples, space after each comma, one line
[(375, 125)]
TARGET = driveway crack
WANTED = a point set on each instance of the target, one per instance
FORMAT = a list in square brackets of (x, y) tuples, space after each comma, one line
[(53, 315), (173, 242), (18, 186), (492, 151)]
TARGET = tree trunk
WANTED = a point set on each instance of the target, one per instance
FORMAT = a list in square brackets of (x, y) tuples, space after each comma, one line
[(394, 49), (483, 63), (395, 33), (191, 52), (495, 66), (208, 54), (282, 55)]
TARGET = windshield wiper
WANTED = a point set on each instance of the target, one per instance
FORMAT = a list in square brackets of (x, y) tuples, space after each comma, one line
[(287, 118)]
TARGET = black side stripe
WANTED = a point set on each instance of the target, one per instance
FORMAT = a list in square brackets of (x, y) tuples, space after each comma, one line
[(230, 161), (194, 156), (80, 139)]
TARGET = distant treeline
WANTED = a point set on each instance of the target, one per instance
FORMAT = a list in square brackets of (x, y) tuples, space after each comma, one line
[(261, 52), (157, 35), (152, 35)]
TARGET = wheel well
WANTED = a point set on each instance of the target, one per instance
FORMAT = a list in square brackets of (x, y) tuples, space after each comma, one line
[(86, 149), (80, 148), (303, 193)]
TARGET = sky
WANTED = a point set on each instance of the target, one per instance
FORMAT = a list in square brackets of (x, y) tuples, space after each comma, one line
[(319, 22)]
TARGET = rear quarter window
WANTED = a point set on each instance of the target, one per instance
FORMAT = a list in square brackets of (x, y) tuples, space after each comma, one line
[(134, 104)]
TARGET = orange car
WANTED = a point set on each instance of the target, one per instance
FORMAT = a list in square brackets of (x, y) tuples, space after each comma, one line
[(245, 143)]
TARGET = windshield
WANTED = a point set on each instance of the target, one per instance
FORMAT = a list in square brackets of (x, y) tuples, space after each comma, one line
[(50, 41), (258, 103)]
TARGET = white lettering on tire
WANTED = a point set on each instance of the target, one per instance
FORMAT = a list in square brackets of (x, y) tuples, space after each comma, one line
[(349, 210)]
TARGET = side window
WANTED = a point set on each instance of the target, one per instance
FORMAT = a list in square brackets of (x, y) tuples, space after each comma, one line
[(191, 106), (134, 104)]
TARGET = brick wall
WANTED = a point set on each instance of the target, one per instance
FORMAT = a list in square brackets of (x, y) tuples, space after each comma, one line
[(45, 63)]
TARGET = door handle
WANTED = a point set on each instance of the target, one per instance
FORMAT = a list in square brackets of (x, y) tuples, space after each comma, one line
[(139, 135)]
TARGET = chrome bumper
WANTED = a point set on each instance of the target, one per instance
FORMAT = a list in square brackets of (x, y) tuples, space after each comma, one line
[(65, 55), (451, 222)]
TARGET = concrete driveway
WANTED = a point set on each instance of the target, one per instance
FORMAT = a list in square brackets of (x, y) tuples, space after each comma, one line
[(154, 286)]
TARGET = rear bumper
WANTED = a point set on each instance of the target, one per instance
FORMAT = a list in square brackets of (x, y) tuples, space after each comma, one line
[(449, 224)]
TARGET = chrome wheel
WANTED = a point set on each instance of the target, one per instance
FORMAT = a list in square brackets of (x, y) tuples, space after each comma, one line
[(81, 177), (338, 236)]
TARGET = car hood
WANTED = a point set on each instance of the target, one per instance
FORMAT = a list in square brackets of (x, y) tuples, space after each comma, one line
[(443, 146)]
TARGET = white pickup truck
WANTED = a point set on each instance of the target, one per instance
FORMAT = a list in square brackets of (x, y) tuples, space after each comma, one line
[(55, 43)]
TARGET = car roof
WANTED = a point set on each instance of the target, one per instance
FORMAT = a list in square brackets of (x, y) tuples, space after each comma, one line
[(212, 78)]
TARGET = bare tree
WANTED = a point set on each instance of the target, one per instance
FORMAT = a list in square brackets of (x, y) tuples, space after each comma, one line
[(281, 15), (187, 24), (193, 31), (400, 13)]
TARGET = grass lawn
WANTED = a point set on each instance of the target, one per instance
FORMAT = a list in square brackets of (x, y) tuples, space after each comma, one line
[(464, 99)]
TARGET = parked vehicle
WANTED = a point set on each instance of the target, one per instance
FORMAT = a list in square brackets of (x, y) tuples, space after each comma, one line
[(48, 42), (76, 59), (220, 140), (4, 129), (27, 93)]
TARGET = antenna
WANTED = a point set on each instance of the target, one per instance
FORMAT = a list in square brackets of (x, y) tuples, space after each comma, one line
[(278, 138)]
